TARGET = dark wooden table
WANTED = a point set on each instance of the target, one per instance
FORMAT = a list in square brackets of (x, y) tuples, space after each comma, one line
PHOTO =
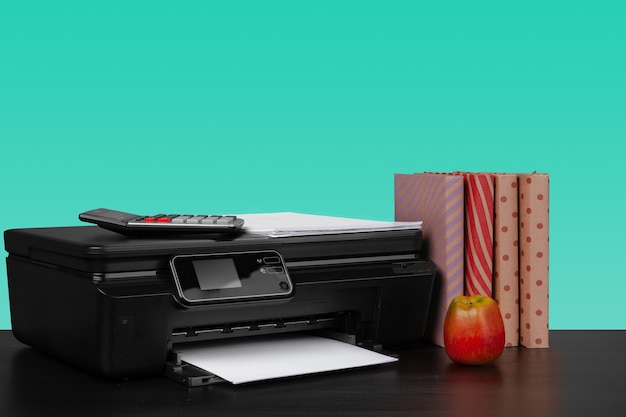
[(582, 374)]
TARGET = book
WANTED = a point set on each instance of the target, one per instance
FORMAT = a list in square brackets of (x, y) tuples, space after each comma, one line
[(438, 201), (479, 218), (533, 259), (506, 254)]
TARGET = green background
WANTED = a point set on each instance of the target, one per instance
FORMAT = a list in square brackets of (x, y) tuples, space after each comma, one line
[(235, 107)]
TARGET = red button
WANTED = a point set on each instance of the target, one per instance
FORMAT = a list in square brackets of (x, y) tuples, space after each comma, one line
[(164, 220), (149, 219)]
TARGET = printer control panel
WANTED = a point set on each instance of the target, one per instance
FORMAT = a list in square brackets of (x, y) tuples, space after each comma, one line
[(228, 277)]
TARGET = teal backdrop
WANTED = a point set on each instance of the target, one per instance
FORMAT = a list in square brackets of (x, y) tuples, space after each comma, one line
[(261, 106)]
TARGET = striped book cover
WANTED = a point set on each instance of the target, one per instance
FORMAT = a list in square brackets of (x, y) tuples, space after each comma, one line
[(533, 259), (506, 254), (479, 217), (438, 201)]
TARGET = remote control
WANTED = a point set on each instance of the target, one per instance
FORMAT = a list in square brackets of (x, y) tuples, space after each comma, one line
[(133, 224)]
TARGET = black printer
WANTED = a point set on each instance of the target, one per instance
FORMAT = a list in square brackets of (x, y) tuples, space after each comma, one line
[(119, 306)]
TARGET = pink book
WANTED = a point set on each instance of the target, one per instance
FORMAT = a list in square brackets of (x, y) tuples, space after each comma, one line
[(533, 261), (438, 201), (479, 216), (506, 254)]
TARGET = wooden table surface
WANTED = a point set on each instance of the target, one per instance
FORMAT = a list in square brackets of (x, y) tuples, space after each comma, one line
[(583, 373)]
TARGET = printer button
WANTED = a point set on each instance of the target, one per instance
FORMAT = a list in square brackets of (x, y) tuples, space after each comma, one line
[(123, 338), (407, 267), (269, 260)]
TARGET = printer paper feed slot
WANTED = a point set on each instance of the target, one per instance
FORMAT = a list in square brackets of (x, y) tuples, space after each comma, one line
[(337, 321), (245, 360)]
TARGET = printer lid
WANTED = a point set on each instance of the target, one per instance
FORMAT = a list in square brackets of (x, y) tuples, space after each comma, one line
[(93, 249)]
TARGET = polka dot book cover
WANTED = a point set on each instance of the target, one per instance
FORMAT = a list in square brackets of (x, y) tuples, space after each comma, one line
[(506, 254), (533, 254)]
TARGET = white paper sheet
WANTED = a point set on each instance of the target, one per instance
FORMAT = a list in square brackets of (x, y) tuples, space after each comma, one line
[(260, 358), (298, 224)]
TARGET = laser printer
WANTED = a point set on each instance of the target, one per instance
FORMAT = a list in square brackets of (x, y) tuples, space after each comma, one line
[(119, 306)]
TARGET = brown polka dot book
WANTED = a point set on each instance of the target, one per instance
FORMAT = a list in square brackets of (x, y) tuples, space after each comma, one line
[(533, 255), (506, 254), (488, 234)]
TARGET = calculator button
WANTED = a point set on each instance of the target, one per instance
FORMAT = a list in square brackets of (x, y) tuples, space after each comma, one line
[(150, 219), (180, 219), (225, 220), (210, 219), (195, 219), (164, 220)]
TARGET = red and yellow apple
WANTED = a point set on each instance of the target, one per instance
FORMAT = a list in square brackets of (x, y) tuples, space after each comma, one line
[(473, 330)]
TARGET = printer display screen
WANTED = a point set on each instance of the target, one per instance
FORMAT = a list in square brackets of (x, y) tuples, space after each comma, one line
[(214, 274), (234, 276)]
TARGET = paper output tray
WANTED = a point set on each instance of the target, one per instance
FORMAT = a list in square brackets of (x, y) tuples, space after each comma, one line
[(192, 376), (189, 375)]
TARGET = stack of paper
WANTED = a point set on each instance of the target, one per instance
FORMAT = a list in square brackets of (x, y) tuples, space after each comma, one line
[(297, 224)]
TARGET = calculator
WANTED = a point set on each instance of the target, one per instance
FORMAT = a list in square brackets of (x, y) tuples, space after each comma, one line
[(158, 224)]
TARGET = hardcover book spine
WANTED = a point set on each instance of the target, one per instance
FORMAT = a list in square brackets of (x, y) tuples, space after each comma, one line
[(534, 245), (506, 254), (438, 201), (479, 216)]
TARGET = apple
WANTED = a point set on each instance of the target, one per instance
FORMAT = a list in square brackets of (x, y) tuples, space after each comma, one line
[(473, 330)]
